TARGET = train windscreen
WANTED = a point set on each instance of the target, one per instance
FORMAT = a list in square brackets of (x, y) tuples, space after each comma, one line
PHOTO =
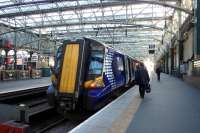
[(96, 61)]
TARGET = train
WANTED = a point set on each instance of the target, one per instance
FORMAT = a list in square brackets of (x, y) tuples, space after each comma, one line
[(87, 73)]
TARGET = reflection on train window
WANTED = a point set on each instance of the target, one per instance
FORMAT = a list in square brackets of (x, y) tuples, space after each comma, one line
[(96, 60), (120, 64), (96, 63), (58, 59), (59, 53)]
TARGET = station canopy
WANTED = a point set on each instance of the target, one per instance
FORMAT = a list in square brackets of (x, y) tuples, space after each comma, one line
[(128, 25)]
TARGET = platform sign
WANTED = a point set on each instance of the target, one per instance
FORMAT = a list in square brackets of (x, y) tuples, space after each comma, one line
[(34, 57), (152, 48), (151, 51)]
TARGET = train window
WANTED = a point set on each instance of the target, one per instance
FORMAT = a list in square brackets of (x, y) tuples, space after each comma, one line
[(96, 60), (96, 63), (120, 64), (59, 54)]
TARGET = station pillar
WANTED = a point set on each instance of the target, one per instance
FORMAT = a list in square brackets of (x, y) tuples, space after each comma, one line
[(198, 28)]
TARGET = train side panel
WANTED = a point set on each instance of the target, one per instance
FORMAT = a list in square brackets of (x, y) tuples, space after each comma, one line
[(113, 77)]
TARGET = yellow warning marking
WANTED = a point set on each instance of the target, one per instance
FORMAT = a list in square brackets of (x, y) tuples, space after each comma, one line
[(69, 69), (121, 124)]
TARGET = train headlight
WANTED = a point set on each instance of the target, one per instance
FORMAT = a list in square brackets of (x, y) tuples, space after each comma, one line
[(96, 83), (99, 82)]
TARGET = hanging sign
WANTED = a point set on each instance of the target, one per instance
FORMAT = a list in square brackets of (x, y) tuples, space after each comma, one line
[(152, 48)]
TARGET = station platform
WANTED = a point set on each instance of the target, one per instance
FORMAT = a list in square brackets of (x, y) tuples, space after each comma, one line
[(18, 85), (172, 107)]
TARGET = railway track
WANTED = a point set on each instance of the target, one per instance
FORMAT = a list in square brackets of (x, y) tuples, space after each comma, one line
[(51, 125), (32, 108), (29, 102), (56, 123)]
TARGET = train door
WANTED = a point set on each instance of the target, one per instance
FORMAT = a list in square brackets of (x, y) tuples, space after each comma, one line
[(118, 66), (133, 68), (72, 72), (127, 70), (130, 70)]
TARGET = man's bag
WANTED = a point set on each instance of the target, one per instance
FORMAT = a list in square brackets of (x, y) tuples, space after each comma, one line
[(148, 88)]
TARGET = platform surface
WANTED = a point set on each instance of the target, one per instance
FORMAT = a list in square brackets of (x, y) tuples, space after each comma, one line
[(107, 118), (172, 107), (10, 86)]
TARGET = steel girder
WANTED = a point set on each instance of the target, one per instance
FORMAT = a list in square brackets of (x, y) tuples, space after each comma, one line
[(57, 23), (89, 6), (105, 22)]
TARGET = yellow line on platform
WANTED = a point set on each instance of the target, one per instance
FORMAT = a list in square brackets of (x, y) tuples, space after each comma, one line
[(121, 124)]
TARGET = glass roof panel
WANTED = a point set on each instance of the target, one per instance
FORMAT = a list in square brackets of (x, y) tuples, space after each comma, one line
[(28, 8), (136, 24), (12, 10), (5, 2)]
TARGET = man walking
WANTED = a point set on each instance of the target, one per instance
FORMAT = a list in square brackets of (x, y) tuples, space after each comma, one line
[(142, 79), (158, 72)]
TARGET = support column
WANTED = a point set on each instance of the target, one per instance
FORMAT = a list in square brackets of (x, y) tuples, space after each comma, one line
[(198, 28), (167, 61), (172, 60), (179, 39), (15, 47)]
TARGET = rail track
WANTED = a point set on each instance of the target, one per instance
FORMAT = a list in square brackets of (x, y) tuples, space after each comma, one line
[(29, 102), (31, 107), (51, 125)]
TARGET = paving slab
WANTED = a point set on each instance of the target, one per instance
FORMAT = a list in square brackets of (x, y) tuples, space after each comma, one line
[(172, 107)]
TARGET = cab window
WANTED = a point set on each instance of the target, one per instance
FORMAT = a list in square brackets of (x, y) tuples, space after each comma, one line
[(96, 60), (96, 63)]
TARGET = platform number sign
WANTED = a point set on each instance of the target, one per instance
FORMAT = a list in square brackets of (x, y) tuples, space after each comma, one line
[(151, 48)]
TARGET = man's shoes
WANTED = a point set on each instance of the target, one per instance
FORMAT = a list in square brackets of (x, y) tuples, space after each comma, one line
[(148, 89)]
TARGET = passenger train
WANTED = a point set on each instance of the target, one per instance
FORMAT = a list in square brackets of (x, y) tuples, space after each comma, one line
[(86, 73)]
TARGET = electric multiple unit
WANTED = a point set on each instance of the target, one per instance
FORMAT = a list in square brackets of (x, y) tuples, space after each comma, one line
[(86, 73)]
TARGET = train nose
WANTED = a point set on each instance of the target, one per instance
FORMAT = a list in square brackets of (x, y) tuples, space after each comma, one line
[(71, 73), (69, 69)]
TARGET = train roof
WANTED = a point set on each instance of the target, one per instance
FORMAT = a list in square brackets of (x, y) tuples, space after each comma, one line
[(105, 45)]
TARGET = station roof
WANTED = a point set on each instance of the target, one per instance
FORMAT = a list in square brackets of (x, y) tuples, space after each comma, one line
[(130, 26)]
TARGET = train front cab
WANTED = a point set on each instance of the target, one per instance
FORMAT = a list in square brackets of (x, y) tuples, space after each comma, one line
[(78, 72), (69, 73)]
